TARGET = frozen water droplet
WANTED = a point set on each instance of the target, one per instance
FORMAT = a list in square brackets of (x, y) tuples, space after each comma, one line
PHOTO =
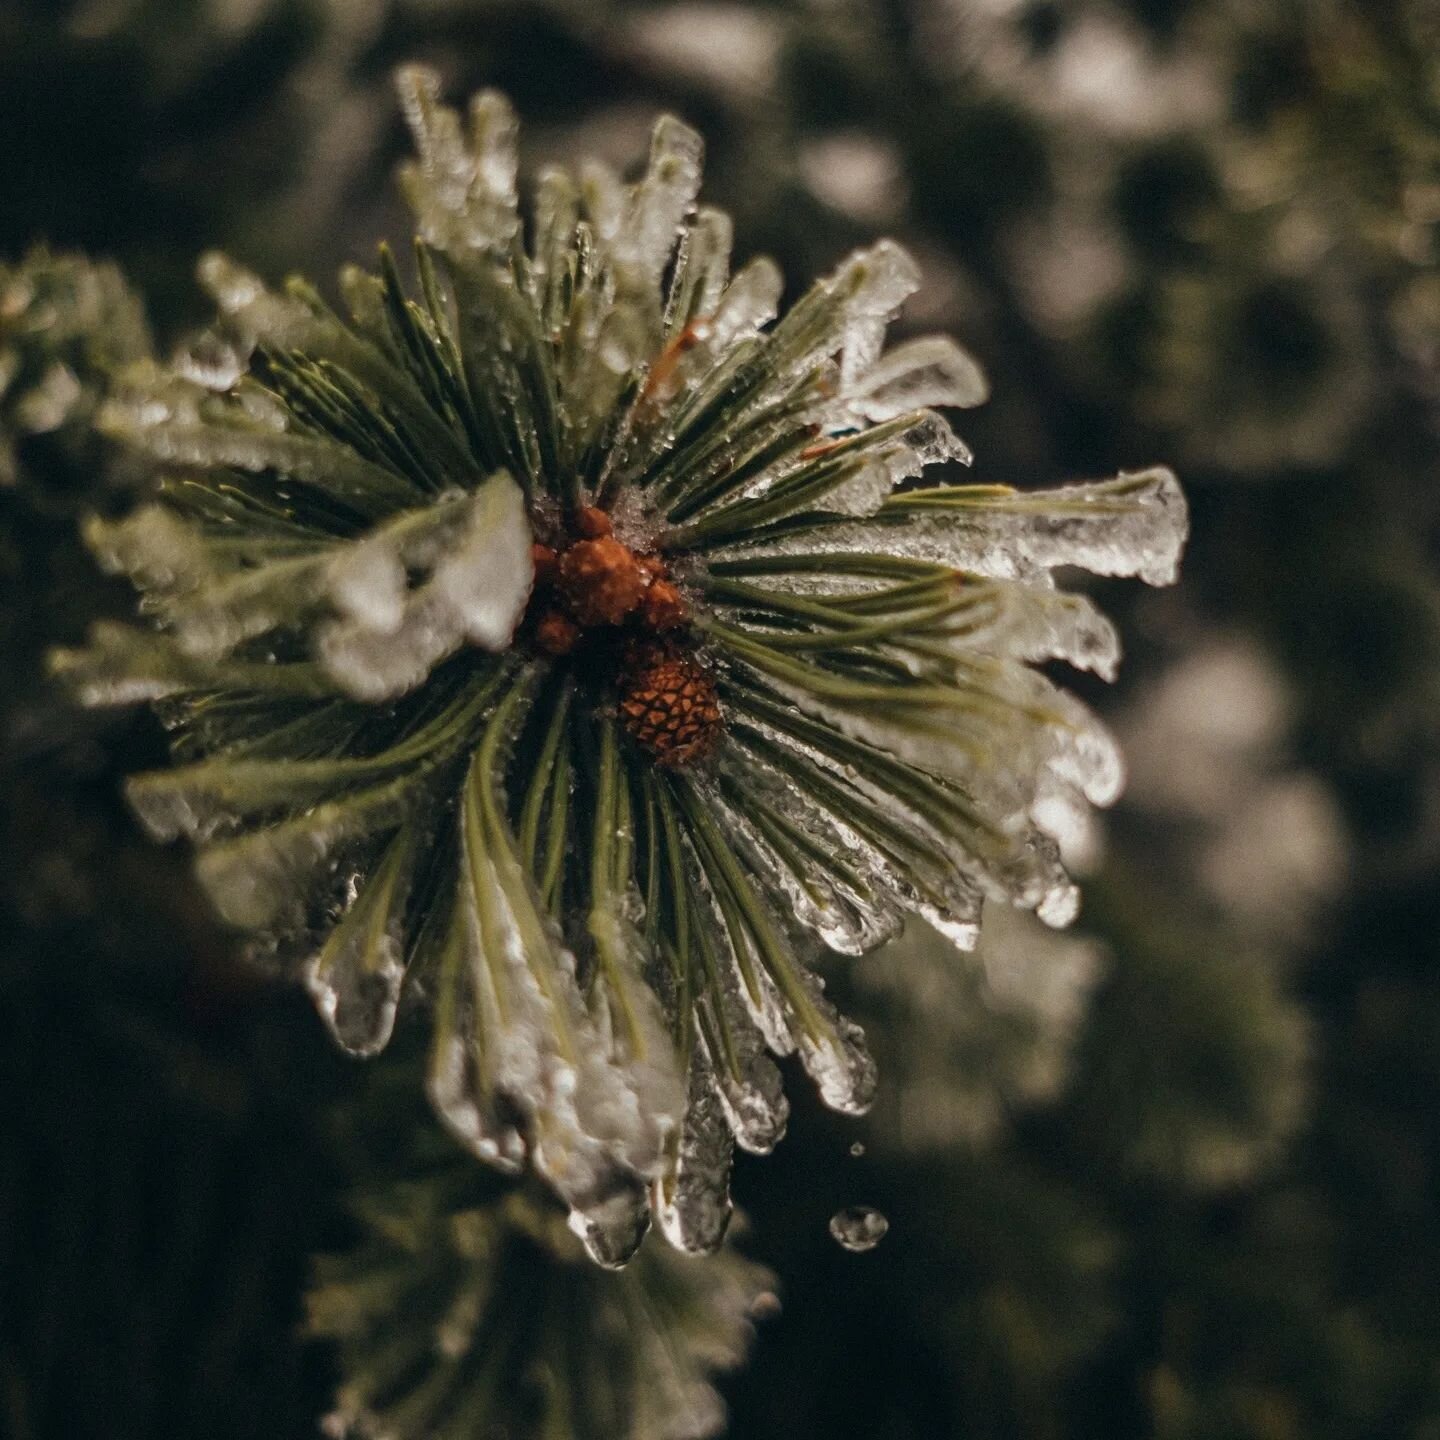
[(612, 1228), (211, 361), (858, 1149), (858, 1227)]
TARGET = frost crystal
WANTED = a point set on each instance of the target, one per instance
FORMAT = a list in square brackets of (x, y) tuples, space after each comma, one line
[(558, 643)]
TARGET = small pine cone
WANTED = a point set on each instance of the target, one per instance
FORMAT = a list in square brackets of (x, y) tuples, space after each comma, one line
[(669, 703), (601, 580)]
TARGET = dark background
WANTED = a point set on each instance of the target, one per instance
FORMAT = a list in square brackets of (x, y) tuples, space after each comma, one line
[(1200, 233)]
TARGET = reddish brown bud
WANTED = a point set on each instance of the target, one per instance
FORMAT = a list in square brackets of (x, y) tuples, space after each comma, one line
[(663, 607), (556, 634), (592, 523), (601, 580)]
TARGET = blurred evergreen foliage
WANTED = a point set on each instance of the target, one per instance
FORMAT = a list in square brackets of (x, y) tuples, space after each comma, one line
[(1201, 232), (509, 1328)]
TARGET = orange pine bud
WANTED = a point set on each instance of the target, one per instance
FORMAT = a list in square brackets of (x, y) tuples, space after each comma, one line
[(601, 580)]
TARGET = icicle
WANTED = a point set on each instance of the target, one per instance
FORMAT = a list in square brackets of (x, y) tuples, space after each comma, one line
[(658, 205), (459, 1081), (937, 889), (826, 901), (1034, 622), (844, 311), (708, 265), (745, 1080), (463, 196), (120, 666), (611, 1228), (210, 361), (929, 441), (749, 302), (649, 1100), (355, 977), (1133, 525), (604, 200), (692, 1197), (254, 312), (557, 210), (917, 376), (836, 1059), (256, 879)]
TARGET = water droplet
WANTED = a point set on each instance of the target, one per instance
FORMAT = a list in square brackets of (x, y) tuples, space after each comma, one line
[(858, 1227), (858, 1149)]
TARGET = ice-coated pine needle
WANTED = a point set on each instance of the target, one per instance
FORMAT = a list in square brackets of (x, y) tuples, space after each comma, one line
[(565, 645)]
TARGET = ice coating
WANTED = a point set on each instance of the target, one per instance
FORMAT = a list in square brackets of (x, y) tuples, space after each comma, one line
[(599, 1114), (664, 196), (888, 845), (173, 438), (744, 1078), (67, 326), (692, 1194), (382, 636), (252, 310), (1134, 525), (463, 194), (929, 441), (918, 375), (837, 1061), (356, 975), (777, 827), (388, 639), (1007, 855), (750, 300), (409, 753)]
